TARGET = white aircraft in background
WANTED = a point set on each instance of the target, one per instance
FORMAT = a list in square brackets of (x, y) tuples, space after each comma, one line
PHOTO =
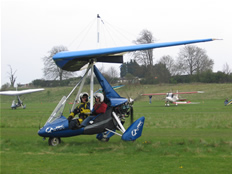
[(174, 97), (14, 105)]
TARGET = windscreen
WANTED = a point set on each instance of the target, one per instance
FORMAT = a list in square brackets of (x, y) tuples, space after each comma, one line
[(58, 111)]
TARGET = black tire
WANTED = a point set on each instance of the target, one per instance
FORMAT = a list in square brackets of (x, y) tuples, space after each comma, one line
[(131, 115), (105, 139), (54, 141)]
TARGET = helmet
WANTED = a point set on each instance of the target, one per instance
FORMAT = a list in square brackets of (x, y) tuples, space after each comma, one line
[(84, 94), (100, 96)]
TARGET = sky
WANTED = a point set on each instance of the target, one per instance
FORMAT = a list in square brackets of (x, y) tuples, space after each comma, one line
[(31, 28)]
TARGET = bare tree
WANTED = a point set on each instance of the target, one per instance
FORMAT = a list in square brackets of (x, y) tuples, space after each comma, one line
[(144, 57), (192, 59), (169, 62), (226, 69), (112, 72), (112, 75), (12, 76), (51, 70)]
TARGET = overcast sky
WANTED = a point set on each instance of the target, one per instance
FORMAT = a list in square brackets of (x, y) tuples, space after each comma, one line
[(30, 28)]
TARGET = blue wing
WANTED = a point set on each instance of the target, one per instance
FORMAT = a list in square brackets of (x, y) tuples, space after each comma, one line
[(74, 60)]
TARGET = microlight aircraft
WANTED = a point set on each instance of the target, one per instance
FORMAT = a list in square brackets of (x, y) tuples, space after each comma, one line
[(174, 97), (16, 93), (119, 108), (226, 102)]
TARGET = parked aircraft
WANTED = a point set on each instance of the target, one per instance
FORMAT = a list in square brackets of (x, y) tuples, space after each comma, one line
[(14, 105), (119, 108), (174, 97)]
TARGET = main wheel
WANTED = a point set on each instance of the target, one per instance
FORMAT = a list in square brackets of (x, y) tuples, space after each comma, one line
[(54, 141), (105, 139)]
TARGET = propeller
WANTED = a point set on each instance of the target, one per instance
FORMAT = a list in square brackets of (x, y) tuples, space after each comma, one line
[(131, 111), (131, 115)]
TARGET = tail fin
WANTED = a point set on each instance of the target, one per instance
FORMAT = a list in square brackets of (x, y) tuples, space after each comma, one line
[(134, 131)]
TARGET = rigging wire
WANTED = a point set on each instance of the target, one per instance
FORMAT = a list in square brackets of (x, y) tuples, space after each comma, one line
[(112, 35), (87, 28), (120, 32)]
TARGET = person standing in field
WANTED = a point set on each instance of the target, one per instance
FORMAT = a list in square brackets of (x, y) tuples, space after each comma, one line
[(150, 97)]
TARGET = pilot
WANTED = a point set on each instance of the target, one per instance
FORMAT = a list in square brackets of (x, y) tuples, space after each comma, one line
[(99, 108), (83, 109)]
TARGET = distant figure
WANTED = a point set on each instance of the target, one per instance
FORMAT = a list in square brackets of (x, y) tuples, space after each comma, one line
[(150, 97)]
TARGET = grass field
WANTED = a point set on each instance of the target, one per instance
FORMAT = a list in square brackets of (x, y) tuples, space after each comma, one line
[(175, 139)]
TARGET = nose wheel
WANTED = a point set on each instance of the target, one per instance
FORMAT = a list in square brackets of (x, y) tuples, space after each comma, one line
[(54, 141)]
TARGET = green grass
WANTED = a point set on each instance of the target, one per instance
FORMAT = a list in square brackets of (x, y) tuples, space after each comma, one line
[(175, 139)]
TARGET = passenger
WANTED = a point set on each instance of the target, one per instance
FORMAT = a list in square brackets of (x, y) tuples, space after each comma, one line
[(83, 109), (99, 108)]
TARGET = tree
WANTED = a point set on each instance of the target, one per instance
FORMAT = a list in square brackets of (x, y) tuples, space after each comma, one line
[(169, 62), (131, 67), (226, 69), (51, 70), (123, 70), (129, 77), (161, 73), (12, 76), (193, 60), (5, 87), (113, 74), (144, 57)]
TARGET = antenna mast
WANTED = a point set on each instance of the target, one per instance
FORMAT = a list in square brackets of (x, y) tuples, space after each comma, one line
[(98, 30)]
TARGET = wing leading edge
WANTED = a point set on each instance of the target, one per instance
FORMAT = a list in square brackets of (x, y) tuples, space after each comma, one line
[(74, 60), (15, 93)]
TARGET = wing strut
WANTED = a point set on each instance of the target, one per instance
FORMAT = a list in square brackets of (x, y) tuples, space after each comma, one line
[(90, 66), (79, 82), (113, 132), (120, 126), (79, 91), (91, 88)]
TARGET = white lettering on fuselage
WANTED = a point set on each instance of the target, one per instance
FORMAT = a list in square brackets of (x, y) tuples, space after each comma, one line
[(57, 128), (134, 131)]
